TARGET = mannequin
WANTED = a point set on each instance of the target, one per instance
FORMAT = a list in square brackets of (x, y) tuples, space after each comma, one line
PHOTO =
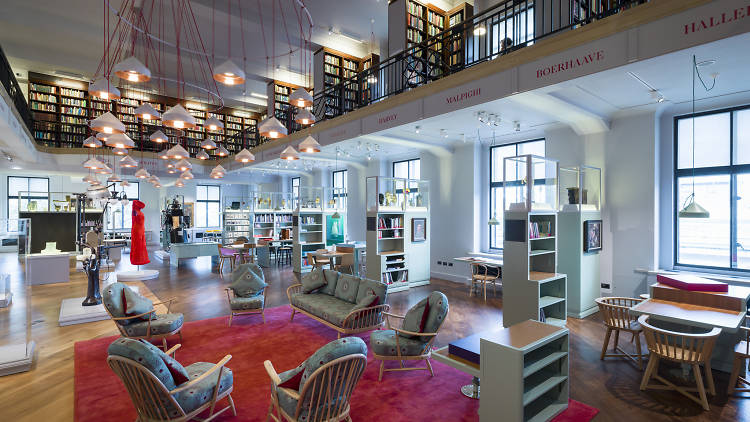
[(138, 252)]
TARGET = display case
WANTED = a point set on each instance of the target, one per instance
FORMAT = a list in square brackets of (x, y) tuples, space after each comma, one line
[(580, 188), (54, 218), (530, 183), (310, 198), (263, 201), (385, 194), (235, 203), (282, 202), (417, 195), (334, 199)]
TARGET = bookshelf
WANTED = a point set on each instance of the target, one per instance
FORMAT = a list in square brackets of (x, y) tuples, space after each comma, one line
[(61, 109), (331, 68), (263, 225), (236, 223), (455, 42), (278, 104), (308, 236), (369, 83), (283, 222)]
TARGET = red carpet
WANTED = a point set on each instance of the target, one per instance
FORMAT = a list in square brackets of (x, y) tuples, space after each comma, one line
[(407, 396)]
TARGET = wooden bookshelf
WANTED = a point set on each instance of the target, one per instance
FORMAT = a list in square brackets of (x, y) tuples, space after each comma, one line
[(331, 68), (455, 42), (61, 109), (279, 106)]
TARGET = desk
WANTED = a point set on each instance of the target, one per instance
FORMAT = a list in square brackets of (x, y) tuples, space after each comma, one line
[(191, 250), (489, 262)]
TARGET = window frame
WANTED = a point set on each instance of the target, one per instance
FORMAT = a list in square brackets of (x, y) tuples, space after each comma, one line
[(8, 196), (408, 171), (295, 195), (206, 202), (336, 193), (732, 170), (122, 214), (501, 184)]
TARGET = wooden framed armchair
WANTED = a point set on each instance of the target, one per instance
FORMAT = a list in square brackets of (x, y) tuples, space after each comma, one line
[(319, 389), (410, 342), (154, 390), (147, 325), (247, 293), (741, 354), (616, 314)]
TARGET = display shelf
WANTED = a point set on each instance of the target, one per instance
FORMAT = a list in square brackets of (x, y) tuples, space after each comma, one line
[(304, 242)]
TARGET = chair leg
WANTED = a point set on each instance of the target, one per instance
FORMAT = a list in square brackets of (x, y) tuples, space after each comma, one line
[(485, 290), (606, 343), (231, 315), (263, 315), (471, 287), (652, 362), (382, 366), (180, 335), (735, 374), (429, 366), (699, 384), (164, 342), (231, 403), (710, 377), (292, 318), (617, 340), (638, 350)]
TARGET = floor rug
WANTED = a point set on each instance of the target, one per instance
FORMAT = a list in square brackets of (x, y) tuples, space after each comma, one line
[(401, 396)]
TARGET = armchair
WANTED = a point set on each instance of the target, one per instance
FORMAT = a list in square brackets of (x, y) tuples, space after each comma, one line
[(413, 341), (143, 325), (247, 294), (163, 390), (319, 389)]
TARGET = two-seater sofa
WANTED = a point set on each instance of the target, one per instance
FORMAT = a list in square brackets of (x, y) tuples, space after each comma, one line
[(346, 303)]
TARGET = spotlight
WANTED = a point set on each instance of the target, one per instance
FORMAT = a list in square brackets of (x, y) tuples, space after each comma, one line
[(443, 133), (417, 128), (517, 125)]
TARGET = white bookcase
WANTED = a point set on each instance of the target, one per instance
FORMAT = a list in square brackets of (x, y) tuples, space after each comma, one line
[(525, 373), (308, 236), (237, 223)]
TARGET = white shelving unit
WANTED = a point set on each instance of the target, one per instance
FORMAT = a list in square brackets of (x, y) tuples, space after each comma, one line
[(263, 224), (237, 223), (308, 236), (525, 373)]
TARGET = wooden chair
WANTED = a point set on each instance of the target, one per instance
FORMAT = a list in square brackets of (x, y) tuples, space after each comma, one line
[(317, 261), (236, 306), (617, 317), (683, 348), (154, 402), (741, 354), (325, 395), (346, 264), (480, 274), (224, 254)]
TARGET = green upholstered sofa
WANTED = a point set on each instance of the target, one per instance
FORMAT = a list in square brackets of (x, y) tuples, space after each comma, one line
[(346, 303)]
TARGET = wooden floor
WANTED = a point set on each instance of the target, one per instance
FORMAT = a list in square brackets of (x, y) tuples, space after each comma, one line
[(46, 392)]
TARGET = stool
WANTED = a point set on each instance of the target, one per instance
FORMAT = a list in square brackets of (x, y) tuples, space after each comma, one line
[(284, 255)]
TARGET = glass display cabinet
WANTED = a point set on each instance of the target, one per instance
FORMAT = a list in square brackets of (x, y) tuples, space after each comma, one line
[(417, 195), (580, 188), (237, 203), (530, 183), (386, 194), (310, 198), (334, 199), (283, 202), (263, 201)]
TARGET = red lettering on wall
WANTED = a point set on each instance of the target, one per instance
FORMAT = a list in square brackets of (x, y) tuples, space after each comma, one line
[(713, 21), (387, 118), (463, 96), (570, 64)]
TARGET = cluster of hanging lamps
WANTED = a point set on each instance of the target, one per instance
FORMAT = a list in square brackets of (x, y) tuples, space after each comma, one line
[(178, 118), (208, 144), (218, 172)]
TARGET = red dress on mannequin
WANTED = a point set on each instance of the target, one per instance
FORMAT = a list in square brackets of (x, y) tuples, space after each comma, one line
[(138, 252)]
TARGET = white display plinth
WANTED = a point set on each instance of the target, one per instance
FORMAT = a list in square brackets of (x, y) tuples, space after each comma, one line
[(6, 299), (73, 312), (161, 254), (16, 358), (137, 275), (48, 268)]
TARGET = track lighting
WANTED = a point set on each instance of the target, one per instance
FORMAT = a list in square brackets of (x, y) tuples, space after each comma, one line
[(517, 125), (417, 128), (443, 133)]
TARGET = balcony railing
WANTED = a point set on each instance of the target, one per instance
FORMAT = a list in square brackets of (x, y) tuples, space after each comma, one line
[(8, 79)]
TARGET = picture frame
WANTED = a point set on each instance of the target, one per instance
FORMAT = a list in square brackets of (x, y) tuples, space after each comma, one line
[(418, 230), (592, 235)]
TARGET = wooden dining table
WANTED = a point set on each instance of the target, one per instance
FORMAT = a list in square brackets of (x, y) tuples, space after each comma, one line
[(331, 255), (242, 248)]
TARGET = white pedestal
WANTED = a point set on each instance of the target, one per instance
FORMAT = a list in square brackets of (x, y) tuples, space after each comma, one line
[(16, 358), (161, 254), (137, 275), (73, 312), (46, 269), (5, 299)]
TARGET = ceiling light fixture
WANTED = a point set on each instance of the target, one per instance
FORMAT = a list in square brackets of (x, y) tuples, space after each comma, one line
[(158, 137), (178, 118), (304, 117), (417, 129), (517, 125), (183, 165), (179, 183), (119, 140), (92, 142), (480, 29), (208, 144), (203, 155), (120, 151), (128, 162), (187, 175), (229, 73), (212, 123), (107, 123), (132, 70), (443, 133), (300, 97), (93, 164), (309, 145), (142, 173), (244, 156), (289, 154), (272, 128), (102, 88), (147, 112), (221, 151), (177, 152)]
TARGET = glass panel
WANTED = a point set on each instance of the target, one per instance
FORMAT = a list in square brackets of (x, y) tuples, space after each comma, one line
[(200, 214), (401, 169), (213, 193), (743, 221), (17, 184), (742, 145), (132, 190), (201, 193), (711, 141), (544, 192), (533, 148), (213, 214), (498, 154), (415, 169), (496, 204), (515, 183), (38, 185), (705, 241)]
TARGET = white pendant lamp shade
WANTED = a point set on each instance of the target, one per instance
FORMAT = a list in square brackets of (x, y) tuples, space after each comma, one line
[(119, 140), (208, 144), (177, 152), (179, 118), (212, 123), (170, 165), (693, 210), (171, 170), (158, 137), (142, 173), (304, 117), (493, 222), (216, 175), (132, 70), (179, 183), (128, 162), (104, 89), (104, 170), (89, 178), (95, 182), (187, 175), (218, 172), (157, 185), (183, 165), (221, 151), (147, 112), (289, 154), (163, 154), (92, 142), (107, 123), (113, 178), (120, 151), (124, 183), (93, 164), (229, 73), (301, 98), (244, 156), (272, 128), (203, 155), (309, 145)]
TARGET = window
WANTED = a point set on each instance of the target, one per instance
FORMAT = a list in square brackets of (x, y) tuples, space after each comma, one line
[(407, 169), (25, 190), (497, 154), (295, 191), (207, 208), (339, 186), (120, 217), (721, 182)]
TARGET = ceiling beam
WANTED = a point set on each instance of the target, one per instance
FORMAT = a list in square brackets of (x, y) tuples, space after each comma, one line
[(439, 150), (582, 121)]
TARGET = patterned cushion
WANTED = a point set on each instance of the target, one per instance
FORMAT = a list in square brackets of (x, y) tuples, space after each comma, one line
[(332, 278), (245, 303), (150, 357), (438, 312), (292, 378), (313, 280), (367, 301), (346, 288), (135, 303), (247, 282), (252, 267), (202, 392), (164, 323), (383, 343), (368, 287), (323, 306), (413, 318), (338, 348), (112, 300)]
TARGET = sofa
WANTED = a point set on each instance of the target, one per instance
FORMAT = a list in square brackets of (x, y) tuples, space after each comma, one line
[(346, 303)]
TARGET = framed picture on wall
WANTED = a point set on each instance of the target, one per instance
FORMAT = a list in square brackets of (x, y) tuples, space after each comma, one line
[(418, 229), (592, 235)]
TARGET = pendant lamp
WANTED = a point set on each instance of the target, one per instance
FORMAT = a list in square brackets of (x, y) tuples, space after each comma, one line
[(171, 171), (88, 179), (105, 170), (493, 221), (142, 173), (157, 185), (124, 183), (177, 152), (289, 154), (187, 175), (114, 178), (128, 162), (92, 142), (309, 145), (119, 140), (107, 123), (203, 155), (104, 89), (272, 128), (120, 151), (178, 118), (304, 117), (212, 123), (219, 169), (179, 183), (183, 165), (170, 164), (151, 178), (208, 144), (336, 216), (159, 137), (147, 112), (229, 73), (93, 164), (132, 70), (244, 156), (301, 98), (163, 155), (221, 151)]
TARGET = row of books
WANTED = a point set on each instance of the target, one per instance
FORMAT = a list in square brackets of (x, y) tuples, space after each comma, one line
[(415, 22), (414, 8), (390, 223), (43, 107), (540, 229), (435, 18), (43, 97), (396, 234), (395, 277), (43, 88), (73, 102), (332, 59), (414, 36), (328, 68), (70, 92)]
